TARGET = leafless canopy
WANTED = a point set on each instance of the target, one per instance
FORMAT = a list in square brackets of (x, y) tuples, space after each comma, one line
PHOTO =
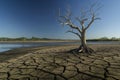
[(86, 17), (85, 20)]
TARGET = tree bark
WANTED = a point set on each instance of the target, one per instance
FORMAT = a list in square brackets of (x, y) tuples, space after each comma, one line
[(83, 47), (83, 39)]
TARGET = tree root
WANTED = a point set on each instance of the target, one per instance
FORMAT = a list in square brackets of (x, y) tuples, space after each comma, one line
[(82, 50)]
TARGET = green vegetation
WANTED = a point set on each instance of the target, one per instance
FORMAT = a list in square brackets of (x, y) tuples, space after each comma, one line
[(23, 39), (105, 39), (48, 39)]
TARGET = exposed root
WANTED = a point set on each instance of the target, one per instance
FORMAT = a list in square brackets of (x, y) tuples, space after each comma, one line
[(82, 50)]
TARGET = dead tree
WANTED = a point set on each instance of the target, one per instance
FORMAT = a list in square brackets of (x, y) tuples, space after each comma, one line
[(86, 19)]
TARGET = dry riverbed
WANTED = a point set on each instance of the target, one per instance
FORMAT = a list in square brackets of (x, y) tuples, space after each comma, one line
[(54, 63)]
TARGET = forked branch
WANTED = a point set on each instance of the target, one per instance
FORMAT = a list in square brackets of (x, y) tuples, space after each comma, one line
[(66, 20), (91, 21), (81, 22)]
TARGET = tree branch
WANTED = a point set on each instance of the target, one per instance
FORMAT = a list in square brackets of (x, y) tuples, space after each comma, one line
[(74, 27), (75, 33), (66, 20), (92, 20), (82, 22), (70, 24)]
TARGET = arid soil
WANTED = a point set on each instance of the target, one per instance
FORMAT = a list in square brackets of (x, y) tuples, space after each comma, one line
[(55, 63)]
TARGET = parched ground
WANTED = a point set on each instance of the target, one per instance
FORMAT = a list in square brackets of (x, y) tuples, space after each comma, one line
[(56, 64)]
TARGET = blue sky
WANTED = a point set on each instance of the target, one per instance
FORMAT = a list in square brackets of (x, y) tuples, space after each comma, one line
[(27, 18)]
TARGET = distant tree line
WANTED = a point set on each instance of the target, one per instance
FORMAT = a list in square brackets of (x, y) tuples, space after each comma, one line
[(23, 39), (105, 39), (40, 39)]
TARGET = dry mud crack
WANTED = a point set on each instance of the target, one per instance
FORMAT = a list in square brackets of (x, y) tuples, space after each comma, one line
[(54, 64)]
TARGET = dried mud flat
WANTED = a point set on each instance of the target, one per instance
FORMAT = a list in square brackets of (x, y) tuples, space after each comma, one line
[(56, 64)]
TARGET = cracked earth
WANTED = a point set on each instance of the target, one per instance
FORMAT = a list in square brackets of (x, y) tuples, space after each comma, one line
[(56, 64)]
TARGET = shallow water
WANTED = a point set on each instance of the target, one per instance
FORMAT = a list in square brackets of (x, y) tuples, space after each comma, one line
[(8, 46)]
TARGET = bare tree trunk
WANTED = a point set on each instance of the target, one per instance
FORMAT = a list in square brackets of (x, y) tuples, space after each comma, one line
[(83, 39), (83, 47)]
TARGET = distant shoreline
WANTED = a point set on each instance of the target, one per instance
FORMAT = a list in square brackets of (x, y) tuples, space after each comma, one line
[(51, 41), (39, 41)]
